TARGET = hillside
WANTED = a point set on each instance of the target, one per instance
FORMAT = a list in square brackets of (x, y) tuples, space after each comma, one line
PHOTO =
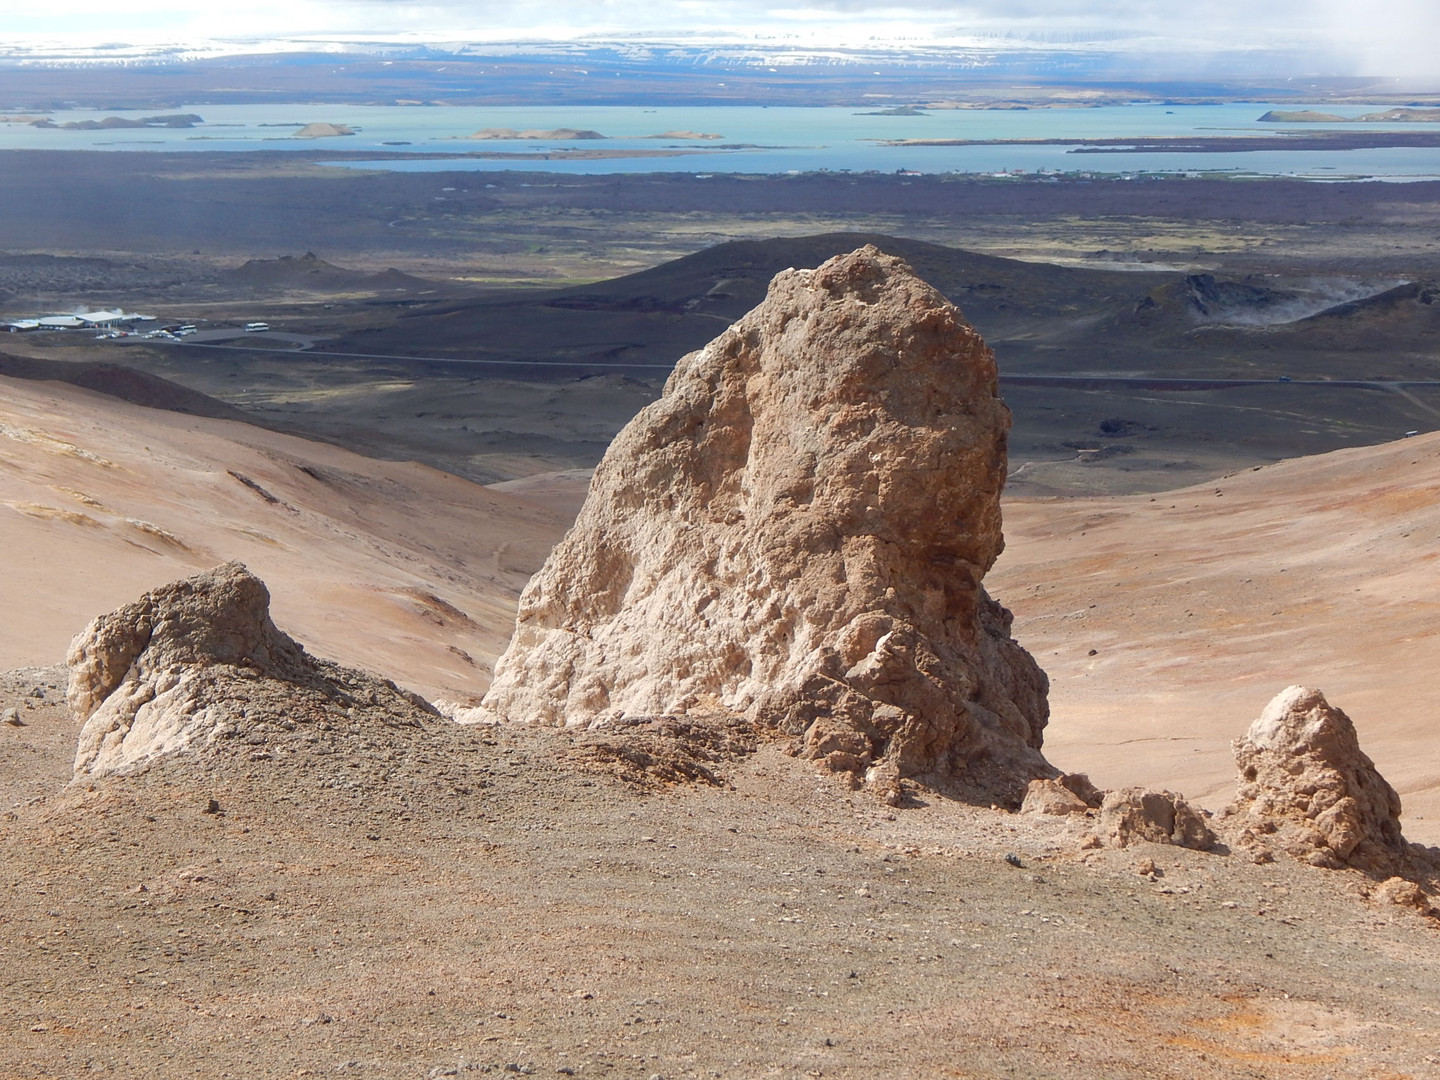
[(121, 382), (1185, 375), (310, 273), (654, 316), (526, 901), (1200, 604), (389, 566)]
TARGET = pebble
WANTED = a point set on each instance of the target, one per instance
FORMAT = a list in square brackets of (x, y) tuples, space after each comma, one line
[(12, 717)]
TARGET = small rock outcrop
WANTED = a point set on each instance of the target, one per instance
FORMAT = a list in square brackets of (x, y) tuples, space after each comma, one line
[(197, 662), (323, 131), (1403, 893), (1139, 815), (1308, 790), (1046, 797), (794, 536), (1070, 793)]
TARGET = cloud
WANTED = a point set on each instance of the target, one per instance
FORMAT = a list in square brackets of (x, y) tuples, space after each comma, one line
[(1400, 40), (1402, 37)]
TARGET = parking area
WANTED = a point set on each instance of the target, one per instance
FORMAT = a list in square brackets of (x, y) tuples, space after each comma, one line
[(269, 338)]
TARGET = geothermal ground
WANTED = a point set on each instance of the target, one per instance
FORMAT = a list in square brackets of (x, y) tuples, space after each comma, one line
[(547, 917), (555, 912), (551, 909)]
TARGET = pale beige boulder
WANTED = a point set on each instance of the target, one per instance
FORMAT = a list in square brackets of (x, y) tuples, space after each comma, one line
[(1139, 815), (1051, 798), (794, 537), (1403, 893), (197, 663), (1308, 790)]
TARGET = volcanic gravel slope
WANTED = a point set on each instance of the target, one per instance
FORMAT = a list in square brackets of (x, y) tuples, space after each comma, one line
[(515, 906), (391, 566), (1166, 622)]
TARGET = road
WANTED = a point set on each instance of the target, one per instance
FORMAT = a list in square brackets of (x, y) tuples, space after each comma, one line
[(1077, 380), (312, 354)]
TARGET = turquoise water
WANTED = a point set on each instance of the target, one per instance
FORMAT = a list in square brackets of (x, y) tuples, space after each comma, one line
[(754, 139)]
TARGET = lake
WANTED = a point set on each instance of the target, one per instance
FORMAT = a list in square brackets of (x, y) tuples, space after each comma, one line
[(756, 139)]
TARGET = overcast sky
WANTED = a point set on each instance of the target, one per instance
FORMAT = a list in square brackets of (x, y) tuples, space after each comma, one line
[(1382, 37)]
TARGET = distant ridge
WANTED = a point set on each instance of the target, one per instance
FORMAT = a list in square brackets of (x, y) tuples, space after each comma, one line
[(127, 384), (311, 272), (657, 315), (733, 277)]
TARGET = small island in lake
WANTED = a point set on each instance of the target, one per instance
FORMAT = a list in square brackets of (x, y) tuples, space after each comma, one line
[(323, 131), (560, 134), (1390, 116)]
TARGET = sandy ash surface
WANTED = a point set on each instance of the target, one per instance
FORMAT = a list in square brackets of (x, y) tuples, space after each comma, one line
[(1167, 621), (518, 907), (394, 567)]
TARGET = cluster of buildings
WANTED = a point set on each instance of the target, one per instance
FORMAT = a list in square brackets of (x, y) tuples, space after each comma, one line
[(108, 321)]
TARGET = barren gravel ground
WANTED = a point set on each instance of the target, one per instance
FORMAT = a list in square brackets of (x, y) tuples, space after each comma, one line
[(1167, 621), (501, 902), (536, 914)]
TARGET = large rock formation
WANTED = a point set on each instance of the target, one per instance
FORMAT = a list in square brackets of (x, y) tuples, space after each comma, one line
[(197, 662), (1307, 789), (794, 536)]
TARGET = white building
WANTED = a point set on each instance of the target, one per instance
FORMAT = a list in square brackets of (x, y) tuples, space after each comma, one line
[(98, 320)]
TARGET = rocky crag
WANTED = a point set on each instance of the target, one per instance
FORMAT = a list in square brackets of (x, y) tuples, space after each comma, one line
[(793, 537), (197, 666), (1307, 789)]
